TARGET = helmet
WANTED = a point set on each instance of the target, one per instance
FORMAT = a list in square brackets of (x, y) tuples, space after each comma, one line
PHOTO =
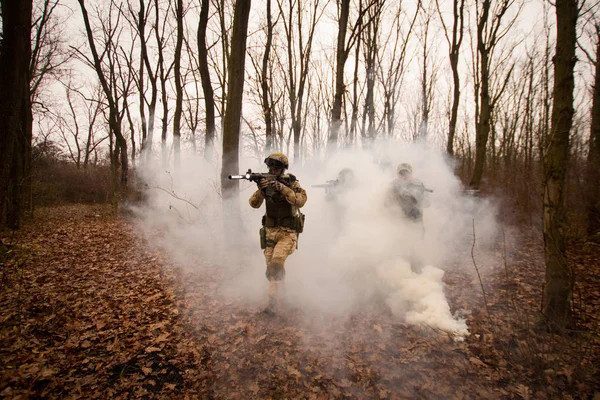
[(277, 160), (346, 175), (404, 167)]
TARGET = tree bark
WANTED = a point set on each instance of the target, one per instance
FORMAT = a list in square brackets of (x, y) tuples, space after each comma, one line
[(593, 160), (558, 287), (233, 112), (482, 128), (264, 83), (178, 85), (457, 35), (340, 88), (163, 74), (207, 89), (15, 108)]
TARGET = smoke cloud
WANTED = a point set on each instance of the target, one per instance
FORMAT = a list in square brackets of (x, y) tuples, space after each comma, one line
[(354, 250)]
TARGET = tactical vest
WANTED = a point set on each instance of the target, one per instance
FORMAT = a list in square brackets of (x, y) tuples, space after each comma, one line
[(279, 211)]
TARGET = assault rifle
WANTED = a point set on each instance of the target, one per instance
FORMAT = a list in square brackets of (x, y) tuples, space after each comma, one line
[(254, 176), (328, 184)]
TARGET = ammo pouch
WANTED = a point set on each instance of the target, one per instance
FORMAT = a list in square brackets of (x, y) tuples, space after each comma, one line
[(293, 222), (263, 238)]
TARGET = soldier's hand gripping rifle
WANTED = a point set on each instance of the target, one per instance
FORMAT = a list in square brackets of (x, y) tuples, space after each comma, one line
[(256, 177)]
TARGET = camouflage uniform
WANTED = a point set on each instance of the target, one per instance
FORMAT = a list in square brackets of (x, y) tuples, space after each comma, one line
[(281, 229)]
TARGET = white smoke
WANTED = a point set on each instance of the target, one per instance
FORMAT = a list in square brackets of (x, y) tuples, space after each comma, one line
[(352, 251)]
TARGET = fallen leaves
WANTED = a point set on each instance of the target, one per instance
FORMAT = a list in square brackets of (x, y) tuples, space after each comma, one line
[(98, 315)]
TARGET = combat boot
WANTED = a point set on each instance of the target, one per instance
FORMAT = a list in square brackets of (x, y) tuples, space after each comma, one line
[(275, 297)]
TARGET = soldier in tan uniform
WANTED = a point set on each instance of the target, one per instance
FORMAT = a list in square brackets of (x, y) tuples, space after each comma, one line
[(282, 221)]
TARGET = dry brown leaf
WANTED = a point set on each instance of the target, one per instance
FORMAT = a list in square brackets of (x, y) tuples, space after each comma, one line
[(477, 362), (162, 337), (293, 371)]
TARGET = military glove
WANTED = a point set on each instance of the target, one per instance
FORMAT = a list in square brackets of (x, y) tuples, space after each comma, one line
[(263, 184)]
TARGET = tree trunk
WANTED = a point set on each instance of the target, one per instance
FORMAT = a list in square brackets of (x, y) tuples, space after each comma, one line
[(341, 56), (264, 83), (233, 112), (141, 27), (163, 75), (482, 129), (114, 123), (178, 85), (593, 160), (207, 89), (15, 108), (152, 76), (457, 35), (558, 287)]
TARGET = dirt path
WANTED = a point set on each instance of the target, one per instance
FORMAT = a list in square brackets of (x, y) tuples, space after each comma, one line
[(89, 312)]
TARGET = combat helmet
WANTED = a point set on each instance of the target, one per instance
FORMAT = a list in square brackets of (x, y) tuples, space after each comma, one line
[(404, 167), (346, 176), (277, 160)]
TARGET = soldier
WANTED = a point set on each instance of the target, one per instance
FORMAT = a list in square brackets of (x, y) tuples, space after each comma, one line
[(282, 221), (333, 189), (407, 194)]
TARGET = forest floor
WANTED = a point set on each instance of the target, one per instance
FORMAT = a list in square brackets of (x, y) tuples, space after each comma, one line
[(88, 310)]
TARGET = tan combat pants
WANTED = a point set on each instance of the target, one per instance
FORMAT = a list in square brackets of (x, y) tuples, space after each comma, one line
[(281, 242)]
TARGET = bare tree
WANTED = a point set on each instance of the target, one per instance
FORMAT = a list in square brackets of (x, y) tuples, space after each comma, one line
[(191, 101), (48, 58), (222, 67), (371, 35), (394, 50), (428, 76), (209, 97), (264, 82), (454, 44), (490, 30), (163, 71), (298, 58), (79, 133), (178, 83), (15, 106), (145, 70), (341, 56), (558, 289), (593, 159), (355, 89), (114, 115), (233, 113)]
